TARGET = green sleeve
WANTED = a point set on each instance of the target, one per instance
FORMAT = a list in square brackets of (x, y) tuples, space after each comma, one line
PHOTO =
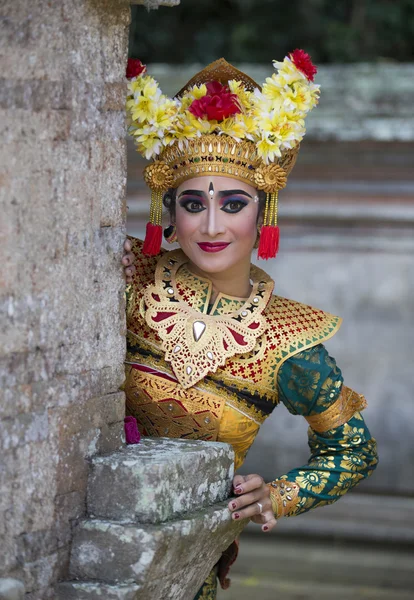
[(309, 383)]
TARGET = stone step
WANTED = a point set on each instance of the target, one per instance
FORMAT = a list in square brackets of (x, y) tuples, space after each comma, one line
[(159, 479), (74, 590), (170, 560)]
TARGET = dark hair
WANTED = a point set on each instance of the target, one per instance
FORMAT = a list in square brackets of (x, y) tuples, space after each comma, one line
[(169, 200)]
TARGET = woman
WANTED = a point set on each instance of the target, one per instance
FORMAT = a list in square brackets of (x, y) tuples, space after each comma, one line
[(211, 352)]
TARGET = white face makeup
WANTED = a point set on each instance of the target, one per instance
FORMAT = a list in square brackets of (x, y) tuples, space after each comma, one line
[(216, 222)]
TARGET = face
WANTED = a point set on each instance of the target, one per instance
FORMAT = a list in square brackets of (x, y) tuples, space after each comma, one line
[(216, 222)]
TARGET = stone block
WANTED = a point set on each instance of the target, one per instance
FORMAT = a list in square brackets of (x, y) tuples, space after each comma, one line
[(24, 429), (11, 589), (114, 96), (170, 560), (159, 479), (73, 590), (41, 574)]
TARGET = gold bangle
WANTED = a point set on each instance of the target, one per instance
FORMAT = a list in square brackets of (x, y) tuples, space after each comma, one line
[(347, 404)]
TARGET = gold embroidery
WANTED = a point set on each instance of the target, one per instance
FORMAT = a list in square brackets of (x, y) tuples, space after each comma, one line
[(196, 343), (283, 496), (290, 328), (163, 408), (339, 412)]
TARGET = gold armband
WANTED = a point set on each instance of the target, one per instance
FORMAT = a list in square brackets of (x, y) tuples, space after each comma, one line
[(283, 495), (347, 404)]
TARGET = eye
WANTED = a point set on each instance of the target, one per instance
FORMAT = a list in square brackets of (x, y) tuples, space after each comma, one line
[(233, 206), (192, 205)]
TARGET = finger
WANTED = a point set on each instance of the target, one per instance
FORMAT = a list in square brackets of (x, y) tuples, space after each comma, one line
[(246, 499), (248, 511), (129, 272), (126, 260), (237, 481), (270, 521), (251, 482), (127, 245)]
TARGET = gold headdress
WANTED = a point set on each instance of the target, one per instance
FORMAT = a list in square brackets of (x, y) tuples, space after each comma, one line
[(223, 123)]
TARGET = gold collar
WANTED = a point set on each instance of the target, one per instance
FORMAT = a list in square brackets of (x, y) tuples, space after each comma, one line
[(196, 342)]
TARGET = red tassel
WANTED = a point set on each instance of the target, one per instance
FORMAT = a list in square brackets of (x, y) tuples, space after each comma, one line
[(153, 239), (269, 242)]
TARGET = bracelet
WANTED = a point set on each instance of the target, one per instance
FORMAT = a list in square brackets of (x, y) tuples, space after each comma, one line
[(283, 496)]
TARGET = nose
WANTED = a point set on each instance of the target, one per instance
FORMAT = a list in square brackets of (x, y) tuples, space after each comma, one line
[(213, 224)]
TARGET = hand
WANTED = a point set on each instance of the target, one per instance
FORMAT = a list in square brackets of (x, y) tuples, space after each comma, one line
[(251, 489), (128, 260)]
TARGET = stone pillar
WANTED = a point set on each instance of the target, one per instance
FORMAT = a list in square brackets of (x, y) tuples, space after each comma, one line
[(62, 326)]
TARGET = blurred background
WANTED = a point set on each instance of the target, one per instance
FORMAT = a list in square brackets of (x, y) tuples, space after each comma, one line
[(347, 246)]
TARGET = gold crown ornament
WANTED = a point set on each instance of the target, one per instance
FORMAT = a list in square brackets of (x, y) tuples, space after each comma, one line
[(222, 123)]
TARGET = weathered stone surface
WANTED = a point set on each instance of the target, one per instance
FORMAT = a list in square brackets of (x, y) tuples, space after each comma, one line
[(72, 590), (170, 560), (11, 589), (159, 479), (62, 325)]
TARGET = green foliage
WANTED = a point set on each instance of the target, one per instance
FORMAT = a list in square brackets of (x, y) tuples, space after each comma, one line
[(261, 30)]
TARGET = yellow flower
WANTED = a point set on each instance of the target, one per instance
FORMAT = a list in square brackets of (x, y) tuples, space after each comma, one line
[(163, 114), (268, 150), (185, 127), (232, 127), (196, 92), (272, 88), (149, 143), (287, 72), (243, 95), (298, 97), (250, 127), (312, 481), (146, 101)]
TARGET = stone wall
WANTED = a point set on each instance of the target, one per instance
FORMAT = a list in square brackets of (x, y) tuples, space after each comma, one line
[(62, 324)]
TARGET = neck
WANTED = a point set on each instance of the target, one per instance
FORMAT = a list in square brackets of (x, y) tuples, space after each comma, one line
[(230, 283)]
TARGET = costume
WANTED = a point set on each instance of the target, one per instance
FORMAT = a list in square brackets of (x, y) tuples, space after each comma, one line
[(216, 370)]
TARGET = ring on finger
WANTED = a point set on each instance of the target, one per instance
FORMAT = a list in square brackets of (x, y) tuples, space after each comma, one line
[(260, 507)]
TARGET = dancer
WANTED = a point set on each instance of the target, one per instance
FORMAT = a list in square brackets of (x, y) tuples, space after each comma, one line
[(211, 351)]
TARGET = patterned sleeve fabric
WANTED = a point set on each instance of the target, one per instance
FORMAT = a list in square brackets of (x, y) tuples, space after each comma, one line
[(343, 453)]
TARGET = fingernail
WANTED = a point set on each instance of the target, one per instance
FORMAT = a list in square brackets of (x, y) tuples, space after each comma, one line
[(233, 505), (236, 516), (238, 490), (265, 527)]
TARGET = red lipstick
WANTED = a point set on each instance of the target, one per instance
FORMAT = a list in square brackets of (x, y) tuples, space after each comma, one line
[(213, 246)]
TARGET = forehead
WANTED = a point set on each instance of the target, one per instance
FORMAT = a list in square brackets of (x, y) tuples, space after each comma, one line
[(220, 183)]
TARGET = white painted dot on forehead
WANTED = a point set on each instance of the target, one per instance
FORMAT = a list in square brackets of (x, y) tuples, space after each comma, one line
[(211, 189)]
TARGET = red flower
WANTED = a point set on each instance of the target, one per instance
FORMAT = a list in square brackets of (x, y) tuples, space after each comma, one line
[(134, 68), (303, 62), (218, 104)]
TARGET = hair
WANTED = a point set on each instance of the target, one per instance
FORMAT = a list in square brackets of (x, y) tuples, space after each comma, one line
[(169, 201)]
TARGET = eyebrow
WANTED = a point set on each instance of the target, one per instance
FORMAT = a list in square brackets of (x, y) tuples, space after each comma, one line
[(233, 192), (192, 193), (221, 194)]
